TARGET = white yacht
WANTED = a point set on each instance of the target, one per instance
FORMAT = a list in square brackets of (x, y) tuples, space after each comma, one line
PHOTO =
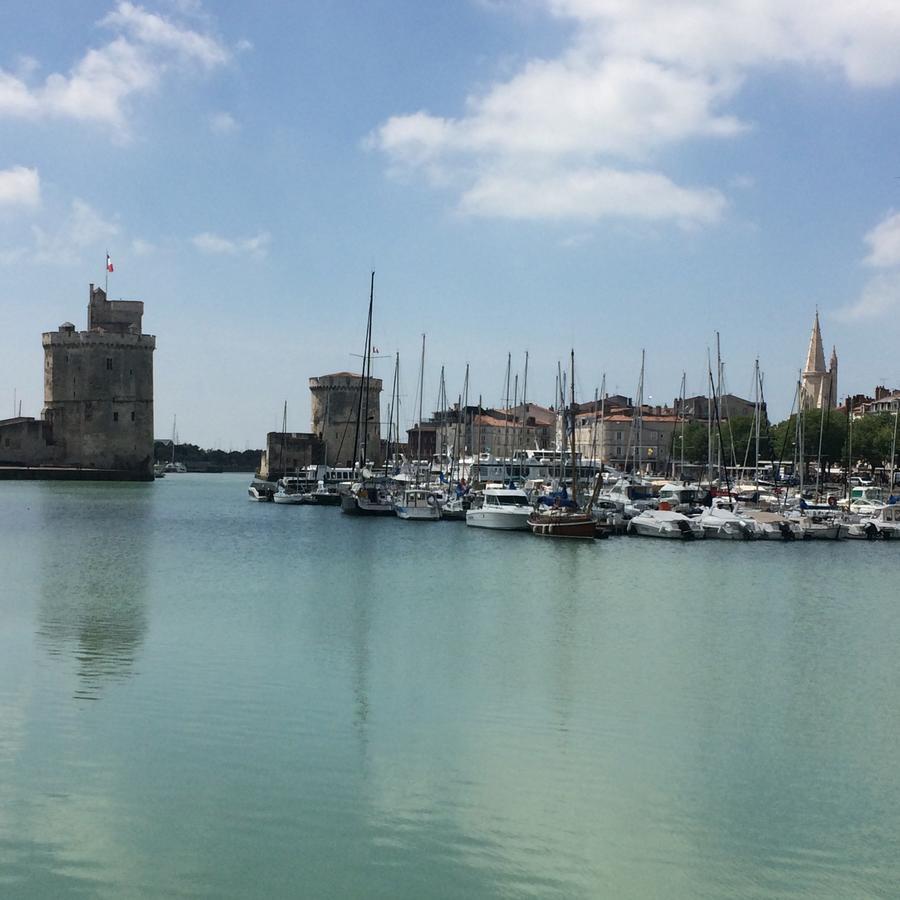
[(771, 526), (680, 497), (883, 524), (630, 496), (417, 504), (817, 527), (723, 524), (663, 523), (506, 509)]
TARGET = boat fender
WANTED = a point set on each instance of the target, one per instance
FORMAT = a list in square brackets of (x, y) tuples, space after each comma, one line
[(431, 499), (832, 501)]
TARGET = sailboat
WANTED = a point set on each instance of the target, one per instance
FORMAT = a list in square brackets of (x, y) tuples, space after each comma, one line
[(289, 491), (418, 503), (566, 520), (172, 467), (368, 495)]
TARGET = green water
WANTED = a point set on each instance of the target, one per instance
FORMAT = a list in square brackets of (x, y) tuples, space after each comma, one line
[(206, 697)]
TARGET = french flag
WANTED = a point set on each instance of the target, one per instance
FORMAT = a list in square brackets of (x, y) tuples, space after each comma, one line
[(109, 264)]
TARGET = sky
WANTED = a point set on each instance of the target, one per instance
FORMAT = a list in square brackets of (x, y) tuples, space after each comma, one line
[(609, 176)]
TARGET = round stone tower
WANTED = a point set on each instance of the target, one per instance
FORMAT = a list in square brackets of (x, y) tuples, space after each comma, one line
[(98, 389), (335, 405)]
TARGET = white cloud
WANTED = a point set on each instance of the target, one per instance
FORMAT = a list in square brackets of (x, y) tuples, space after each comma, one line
[(81, 230), (256, 247), (100, 85), (152, 30), (588, 195), (859, 40), (140, 247), (20, 187), (222, 123), (638, 77), (880, 297), (884, 243)]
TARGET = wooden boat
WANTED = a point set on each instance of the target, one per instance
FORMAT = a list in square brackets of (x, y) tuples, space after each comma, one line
[(566, 521)]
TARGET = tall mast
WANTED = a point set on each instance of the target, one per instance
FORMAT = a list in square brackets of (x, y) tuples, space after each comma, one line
[(506, 416), (758, 418), (681, 410), (602, 422), (284, 441), (421, 385), (362, 410), (524, 401), (466, 442), (640, 417), (709, 411), (442, 406), (893, 449), (572, 420), (395, 387)]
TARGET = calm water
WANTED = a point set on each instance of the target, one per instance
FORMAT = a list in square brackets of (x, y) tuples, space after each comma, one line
[(206, 697)]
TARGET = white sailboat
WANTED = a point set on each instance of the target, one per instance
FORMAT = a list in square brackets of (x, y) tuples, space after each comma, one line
[(416, 503)]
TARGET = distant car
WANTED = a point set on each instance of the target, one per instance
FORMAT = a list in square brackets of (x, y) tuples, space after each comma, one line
[(861, 481)]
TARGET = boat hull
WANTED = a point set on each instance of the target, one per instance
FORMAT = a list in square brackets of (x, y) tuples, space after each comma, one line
[(355, 506), (418, 513), (572, 525), (506, 520)]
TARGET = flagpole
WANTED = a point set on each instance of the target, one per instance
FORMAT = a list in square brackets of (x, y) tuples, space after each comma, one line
[(106, 283)]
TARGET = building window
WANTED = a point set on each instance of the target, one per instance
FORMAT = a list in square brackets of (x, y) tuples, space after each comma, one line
[(132, 415), (109, 363), (115, 417)]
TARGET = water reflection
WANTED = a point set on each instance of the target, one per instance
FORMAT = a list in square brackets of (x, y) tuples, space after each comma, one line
[(92, 606)]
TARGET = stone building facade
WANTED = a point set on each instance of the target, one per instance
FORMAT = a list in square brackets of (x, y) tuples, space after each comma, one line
[(334, 408), (98, 400)]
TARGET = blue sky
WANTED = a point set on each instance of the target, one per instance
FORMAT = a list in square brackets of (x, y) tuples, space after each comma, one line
[(530, 175)]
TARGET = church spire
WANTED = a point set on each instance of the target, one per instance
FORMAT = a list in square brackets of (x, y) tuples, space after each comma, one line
[(815, 357)]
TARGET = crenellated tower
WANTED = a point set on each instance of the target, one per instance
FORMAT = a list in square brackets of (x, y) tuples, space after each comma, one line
[(98, 388)]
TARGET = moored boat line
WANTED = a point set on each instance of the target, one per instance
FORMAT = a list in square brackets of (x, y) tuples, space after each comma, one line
[(628, 506)]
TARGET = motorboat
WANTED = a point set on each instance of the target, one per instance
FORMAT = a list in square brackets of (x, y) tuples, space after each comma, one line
[(883, 524), (630, 496), (815, 527), (771, 526), (290, 492), (721, 523), (683, 498), (367, 498), (322, 496), (417, 504), (663, 523), (505, 509), (261, 490)]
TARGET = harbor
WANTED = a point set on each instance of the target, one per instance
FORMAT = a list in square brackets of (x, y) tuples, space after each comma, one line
[(207, 697), (449, 451)]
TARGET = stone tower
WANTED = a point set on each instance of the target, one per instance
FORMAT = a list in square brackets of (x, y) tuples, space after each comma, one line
[(818, 385), (335, 403), (98, 388)]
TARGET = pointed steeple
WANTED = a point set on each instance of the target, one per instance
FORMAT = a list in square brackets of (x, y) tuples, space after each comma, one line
[(833, 363), (815, 358)]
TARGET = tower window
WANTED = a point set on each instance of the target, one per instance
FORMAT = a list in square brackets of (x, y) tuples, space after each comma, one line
[(109, 362), (132, 415), (115, 417)]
